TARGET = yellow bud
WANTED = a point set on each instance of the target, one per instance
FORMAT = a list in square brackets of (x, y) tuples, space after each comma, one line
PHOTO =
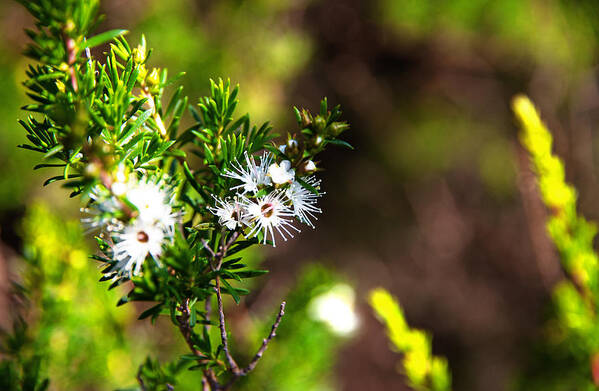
[(139, 55), (69, 26), (60, 86), (154, 77)]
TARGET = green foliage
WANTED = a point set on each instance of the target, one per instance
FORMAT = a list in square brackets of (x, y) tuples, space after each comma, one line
[(423, 370), (162, 213), (153, 376), (66, 313), (573, 334), (20, 366)]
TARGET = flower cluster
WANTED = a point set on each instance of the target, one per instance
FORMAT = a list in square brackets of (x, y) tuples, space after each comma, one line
[(138, 216), (267, 198)]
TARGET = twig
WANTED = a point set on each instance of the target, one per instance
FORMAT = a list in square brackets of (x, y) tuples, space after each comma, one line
[(71, 60), (265, 342), (205, 384), (207, 247), (209, 380), (186, 330), (223, 331), (229, 244), (252, 365)]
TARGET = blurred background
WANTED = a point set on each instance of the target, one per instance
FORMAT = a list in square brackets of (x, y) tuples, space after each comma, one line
[(436, 204)]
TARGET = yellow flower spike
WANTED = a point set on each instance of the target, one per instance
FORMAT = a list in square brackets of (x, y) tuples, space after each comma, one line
[(423, 370), (575, 298)]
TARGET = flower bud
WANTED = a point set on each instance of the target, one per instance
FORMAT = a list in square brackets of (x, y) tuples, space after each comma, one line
[(308, 167), (319, 124), (153, 78), (305, 119), (69, 26), (336, 128), (141, 76), (92, 170), (139, 55), (292, 148), (60, 86)]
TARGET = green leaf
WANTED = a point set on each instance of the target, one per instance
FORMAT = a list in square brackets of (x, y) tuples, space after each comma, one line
[(153, 311), (340, 142), (102, 38), (230, 290), (251, 273), (54, 151), (192, 318), (241, 245)]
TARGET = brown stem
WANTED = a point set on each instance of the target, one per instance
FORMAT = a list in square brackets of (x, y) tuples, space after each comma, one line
[(209, 380), (186, 330), (250, 367), (71, 60), (223, 331), (265, 342)]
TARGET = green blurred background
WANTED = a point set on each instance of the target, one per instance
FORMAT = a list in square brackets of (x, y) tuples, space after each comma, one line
[(437, 202)]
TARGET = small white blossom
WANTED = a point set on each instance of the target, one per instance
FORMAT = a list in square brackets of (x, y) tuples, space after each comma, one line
[(231, 214), (153, 200), (304, 201), (267, 214), (135, 243), (251, 175), (281, 173)]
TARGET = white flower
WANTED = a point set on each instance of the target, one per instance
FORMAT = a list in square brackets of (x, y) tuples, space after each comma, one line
[(149, 223), (135, 243), (282, 173), (267, 214), (153, 200), (151, 197), (231, 214), (252, 175), (304, 201)]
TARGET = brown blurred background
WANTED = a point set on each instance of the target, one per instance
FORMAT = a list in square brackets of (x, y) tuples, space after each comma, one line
[(437, 202)]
